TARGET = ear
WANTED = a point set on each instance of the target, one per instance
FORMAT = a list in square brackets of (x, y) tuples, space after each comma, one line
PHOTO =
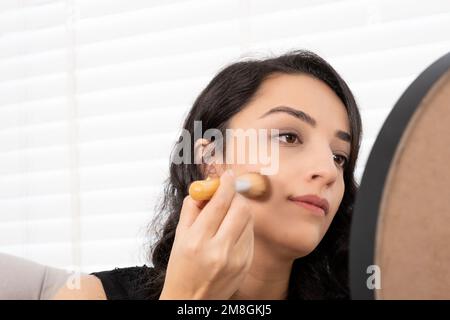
[(205, 157)]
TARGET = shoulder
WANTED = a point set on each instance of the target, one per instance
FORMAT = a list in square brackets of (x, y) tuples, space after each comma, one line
[(89, 287), (126, 283)]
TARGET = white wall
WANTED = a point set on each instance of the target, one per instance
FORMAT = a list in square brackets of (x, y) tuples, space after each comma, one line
[(92, 93)]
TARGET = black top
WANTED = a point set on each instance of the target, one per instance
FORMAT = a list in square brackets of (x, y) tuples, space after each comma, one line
[(125, 283)]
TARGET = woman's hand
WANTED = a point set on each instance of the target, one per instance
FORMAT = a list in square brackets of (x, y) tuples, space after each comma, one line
[(213, 246)]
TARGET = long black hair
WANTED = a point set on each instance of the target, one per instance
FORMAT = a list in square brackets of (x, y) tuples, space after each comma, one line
[(323, 274)]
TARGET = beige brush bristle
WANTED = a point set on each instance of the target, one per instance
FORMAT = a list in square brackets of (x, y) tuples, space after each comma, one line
[(252, 184)]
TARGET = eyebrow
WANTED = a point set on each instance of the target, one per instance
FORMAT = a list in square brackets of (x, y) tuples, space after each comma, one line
[(344, 136)]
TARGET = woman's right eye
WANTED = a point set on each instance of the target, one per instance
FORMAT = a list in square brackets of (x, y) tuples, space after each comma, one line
[(288, 138)]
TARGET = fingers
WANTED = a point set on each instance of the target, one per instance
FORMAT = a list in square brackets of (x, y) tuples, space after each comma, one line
[(208, 222), (245, 243), (189, 212), (235, 222), (244, 247)]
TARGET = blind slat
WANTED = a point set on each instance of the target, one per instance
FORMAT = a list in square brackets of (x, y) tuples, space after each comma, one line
[(422, 30), (95, 202), (90, 178)]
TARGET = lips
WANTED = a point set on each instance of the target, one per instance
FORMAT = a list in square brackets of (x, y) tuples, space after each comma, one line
[(314, 200)]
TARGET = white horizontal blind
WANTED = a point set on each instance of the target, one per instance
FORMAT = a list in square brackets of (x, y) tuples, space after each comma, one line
[(93, 92)]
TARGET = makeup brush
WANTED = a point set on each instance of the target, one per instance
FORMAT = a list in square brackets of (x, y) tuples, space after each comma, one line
[(250, 184)]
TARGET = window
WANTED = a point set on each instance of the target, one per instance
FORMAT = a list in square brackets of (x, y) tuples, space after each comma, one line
[(93, 92)]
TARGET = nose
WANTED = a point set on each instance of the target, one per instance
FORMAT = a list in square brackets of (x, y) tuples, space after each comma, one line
[(322, 167)]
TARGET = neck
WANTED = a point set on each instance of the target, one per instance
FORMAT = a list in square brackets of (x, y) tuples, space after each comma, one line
[(268, 276)]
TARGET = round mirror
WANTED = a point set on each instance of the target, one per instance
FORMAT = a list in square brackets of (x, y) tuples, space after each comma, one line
[(400, 238)]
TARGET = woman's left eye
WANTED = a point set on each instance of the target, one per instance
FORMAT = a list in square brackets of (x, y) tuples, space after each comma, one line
[(289, 138), (341, 160)]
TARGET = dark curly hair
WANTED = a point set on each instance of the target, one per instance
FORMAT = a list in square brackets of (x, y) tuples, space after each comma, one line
[(323, 274)]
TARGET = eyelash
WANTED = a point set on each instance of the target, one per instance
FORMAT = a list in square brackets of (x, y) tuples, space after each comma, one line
[(345, 159)]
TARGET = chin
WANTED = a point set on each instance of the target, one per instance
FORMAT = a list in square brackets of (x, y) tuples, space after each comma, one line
[(292, 233), (303, 247), (294, 241)]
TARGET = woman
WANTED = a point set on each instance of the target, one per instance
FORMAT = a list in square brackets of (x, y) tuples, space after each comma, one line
[(234, 247)]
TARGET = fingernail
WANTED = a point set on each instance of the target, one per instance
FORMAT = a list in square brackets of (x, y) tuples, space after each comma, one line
[(230, 173)]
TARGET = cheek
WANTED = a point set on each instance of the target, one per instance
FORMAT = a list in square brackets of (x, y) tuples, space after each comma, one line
[(251, 150)]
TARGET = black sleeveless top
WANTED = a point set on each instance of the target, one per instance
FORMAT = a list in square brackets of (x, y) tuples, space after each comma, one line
[(126, 283)]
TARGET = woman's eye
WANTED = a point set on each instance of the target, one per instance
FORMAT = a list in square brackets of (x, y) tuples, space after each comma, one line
[(341, 160), (289, 138)]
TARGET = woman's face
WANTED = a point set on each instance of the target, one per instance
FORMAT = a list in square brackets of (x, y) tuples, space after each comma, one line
[(311, 159)]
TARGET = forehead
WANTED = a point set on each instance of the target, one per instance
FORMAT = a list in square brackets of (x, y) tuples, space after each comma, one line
[(301, 92)]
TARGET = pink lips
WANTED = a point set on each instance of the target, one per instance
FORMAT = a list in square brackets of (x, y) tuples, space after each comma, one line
[(312, 202)]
